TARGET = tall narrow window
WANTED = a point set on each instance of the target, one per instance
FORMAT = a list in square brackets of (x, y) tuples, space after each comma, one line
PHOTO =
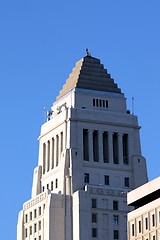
[(125, 148), (95, 146), (52, 153), (57, 150), (146, 223), (61, 141), (56, 183), (93, 102), (115, 148), (115, 219), (139, 226), (44, 158), (105, 148), (52, 186), (94, 232), (153, 220), (94, 202), (86, 177), (94, 217), (48, 156), (106, 180), (26, 232), (132, 230), (39, 224), (126, 182), (85, 145), (115, 205), (115, 234), (106, 103), (30, 230)]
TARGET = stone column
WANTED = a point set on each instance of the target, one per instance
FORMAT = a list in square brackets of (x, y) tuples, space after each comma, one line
[(110, 144), (90, 139), (100, 146)]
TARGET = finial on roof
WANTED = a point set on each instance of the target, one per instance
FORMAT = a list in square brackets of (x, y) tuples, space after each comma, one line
[(88, 53)]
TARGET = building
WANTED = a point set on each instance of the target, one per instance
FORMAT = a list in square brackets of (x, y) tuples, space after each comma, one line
[(89, 157), (144, 221)]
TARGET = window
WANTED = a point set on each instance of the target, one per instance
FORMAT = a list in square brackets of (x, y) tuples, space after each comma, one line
[(106, 180), (132, 229), (35, 213), (153, 220), (146, 223), (94, 217), (105, 148), (39, 225), (125, 148), (86, 177), (154, 237), (126, 182), (61, 141), (47, 186), (56, 183), (94, 202), (85, 145), (35, 227), (52, 186), (30, 216), (39, 237), (115, 219), (52, 153), (93, 102), (115, 234), (95, 146), (39, 211), (26, 218), (94, 232), (30, 230), (139, 226), (115, 205), (26, 232), (115, 148)]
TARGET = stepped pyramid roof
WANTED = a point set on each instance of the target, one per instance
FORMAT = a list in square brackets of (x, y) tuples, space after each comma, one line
[(90, 74)]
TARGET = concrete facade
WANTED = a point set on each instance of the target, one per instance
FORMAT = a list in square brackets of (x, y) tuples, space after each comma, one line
[(89, 158), (144, 221)]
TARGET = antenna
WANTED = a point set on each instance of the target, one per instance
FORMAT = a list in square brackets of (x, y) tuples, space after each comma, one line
[(133, 105)]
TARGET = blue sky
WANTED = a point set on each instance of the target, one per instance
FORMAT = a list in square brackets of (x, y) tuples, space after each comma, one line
[(40, 41)]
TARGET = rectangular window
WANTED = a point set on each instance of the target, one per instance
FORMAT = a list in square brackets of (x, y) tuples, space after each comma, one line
[(26, 232), (39, 237), (56, 183), (139, 226), (94, 217), (39, 225), (26, 218), (154, 237), (94, 202), (86, 177), (47, 186), (125, 148), (96, 102), (93, 102), (30, 216), (132, 229), (115, 234), (126, 182), (100, 103), (115, 219), (35, 213), (95, 146), (85, 145), (61, 141), (30, 230), (44, 158), (39, 211), (105, 148), (106, 180), (115, 205), (115, 148), (35, 227), (153, 220), (94, 232), (146, 223), (52, 186), (106, 103)]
